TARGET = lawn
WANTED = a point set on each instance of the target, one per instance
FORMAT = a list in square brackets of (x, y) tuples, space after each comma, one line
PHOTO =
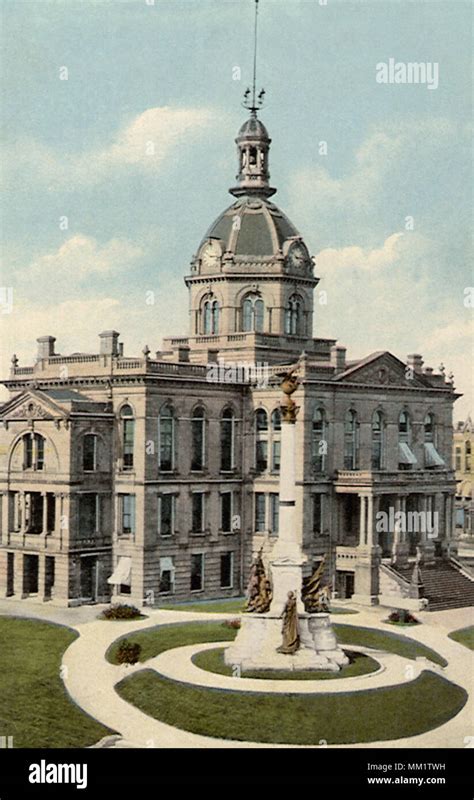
[(165, 637), (213, 661), (34, 706), (343, 718), (155, 640), (386, 640), (464, 636), (232, 606)]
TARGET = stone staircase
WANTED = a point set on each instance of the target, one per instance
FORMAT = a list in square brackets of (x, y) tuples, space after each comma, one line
[(444, 586)]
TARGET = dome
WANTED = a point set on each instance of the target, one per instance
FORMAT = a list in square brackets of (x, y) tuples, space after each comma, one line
[(253, 128), (263, 228)]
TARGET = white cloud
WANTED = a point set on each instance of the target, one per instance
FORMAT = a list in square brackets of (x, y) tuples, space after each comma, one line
[(355, 257), (144, 143), (81, 256)]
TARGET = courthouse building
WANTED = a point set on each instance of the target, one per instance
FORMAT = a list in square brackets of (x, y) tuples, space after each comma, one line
[(155, 477)]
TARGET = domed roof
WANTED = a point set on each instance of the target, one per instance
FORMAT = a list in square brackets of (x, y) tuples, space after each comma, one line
[(262, 231), (253, 128)]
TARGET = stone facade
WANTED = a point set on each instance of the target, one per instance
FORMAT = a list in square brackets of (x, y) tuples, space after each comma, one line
[(463, 447)]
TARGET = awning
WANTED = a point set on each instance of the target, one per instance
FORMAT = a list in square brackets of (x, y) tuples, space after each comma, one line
[(405, 456), (432, 457), (166, 564), (122, 575)]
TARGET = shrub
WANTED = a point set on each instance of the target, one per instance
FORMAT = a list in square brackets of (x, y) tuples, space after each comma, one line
[(232, 623), (121, 611), (128, 652), (404, 617)]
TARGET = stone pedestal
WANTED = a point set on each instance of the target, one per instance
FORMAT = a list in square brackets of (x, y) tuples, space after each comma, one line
[(260, 636), (366, 578)]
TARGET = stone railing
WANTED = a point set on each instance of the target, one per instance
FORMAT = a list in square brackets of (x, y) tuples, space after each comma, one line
[(362, 477)]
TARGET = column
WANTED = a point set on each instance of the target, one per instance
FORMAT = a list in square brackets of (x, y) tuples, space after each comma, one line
[(425, 548), (400, 547), (370, 520), (44, 528), (18, 575), (41, 576), (5, 500), (363, 519), (22, 512)]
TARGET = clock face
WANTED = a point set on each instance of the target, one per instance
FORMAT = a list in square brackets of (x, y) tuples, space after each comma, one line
[(298, 256), (210, 255)]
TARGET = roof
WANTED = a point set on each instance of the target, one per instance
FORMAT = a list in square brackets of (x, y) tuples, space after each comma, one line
[(253, 128), (261, 231)]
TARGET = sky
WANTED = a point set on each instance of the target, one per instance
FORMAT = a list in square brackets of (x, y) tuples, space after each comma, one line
[(119, 120)]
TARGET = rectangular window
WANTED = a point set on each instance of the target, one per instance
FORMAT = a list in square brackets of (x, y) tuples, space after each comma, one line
[(166, 514), (260, 516), (89, 455), (317, 514), (458, 459), (261, 455), (166, 575), (39, 440), (128, 513), (197, 443), (227, 570), (197, 572), (50, 512), (276, 450), (166, 444), (274, 512), (28, 452), (226, 512), (227, 443), (128, 436), (198, 499)]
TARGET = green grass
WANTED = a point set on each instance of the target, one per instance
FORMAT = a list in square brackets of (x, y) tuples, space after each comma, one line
[(344, 718), (386, 640), (155, 640), (234, 606), (464, 636), (35, 707), (213, 661)]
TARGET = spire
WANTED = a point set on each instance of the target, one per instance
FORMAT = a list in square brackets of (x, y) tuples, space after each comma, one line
[(253, 141), (251, 101)]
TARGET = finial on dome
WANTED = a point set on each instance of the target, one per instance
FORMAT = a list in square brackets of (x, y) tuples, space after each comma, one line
[(253, 102)]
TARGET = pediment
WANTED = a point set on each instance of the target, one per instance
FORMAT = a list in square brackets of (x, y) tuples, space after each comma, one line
[(382, 369), (29, 406)]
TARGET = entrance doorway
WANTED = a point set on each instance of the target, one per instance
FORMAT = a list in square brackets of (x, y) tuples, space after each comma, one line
[(88, 579), (48, 577), (30, 574), (345, 585)]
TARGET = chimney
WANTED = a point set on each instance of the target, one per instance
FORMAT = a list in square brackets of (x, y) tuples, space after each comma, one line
[(109, 344), (415, 361), (45, 346), (338, 358)]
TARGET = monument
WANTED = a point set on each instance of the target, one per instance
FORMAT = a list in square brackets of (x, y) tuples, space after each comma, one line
[(284, 626)]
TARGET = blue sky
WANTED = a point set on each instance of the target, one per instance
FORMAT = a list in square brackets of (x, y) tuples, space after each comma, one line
[(163, 73)]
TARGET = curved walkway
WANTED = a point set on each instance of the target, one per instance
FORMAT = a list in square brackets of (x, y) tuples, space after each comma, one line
[(177, 664), (90, 679)]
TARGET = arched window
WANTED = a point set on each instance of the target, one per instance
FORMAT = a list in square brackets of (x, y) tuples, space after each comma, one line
[(294, 317), (467, 453), (210, 317), (377, 440), (253, 314), (318, 440), (406, 458), (429, 428), (404, 427), (198, 439), (166, 443), (128, 436), (227, 440), (89, 452), (276, 439), (33, 451), (261, 440), (351, 449)]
